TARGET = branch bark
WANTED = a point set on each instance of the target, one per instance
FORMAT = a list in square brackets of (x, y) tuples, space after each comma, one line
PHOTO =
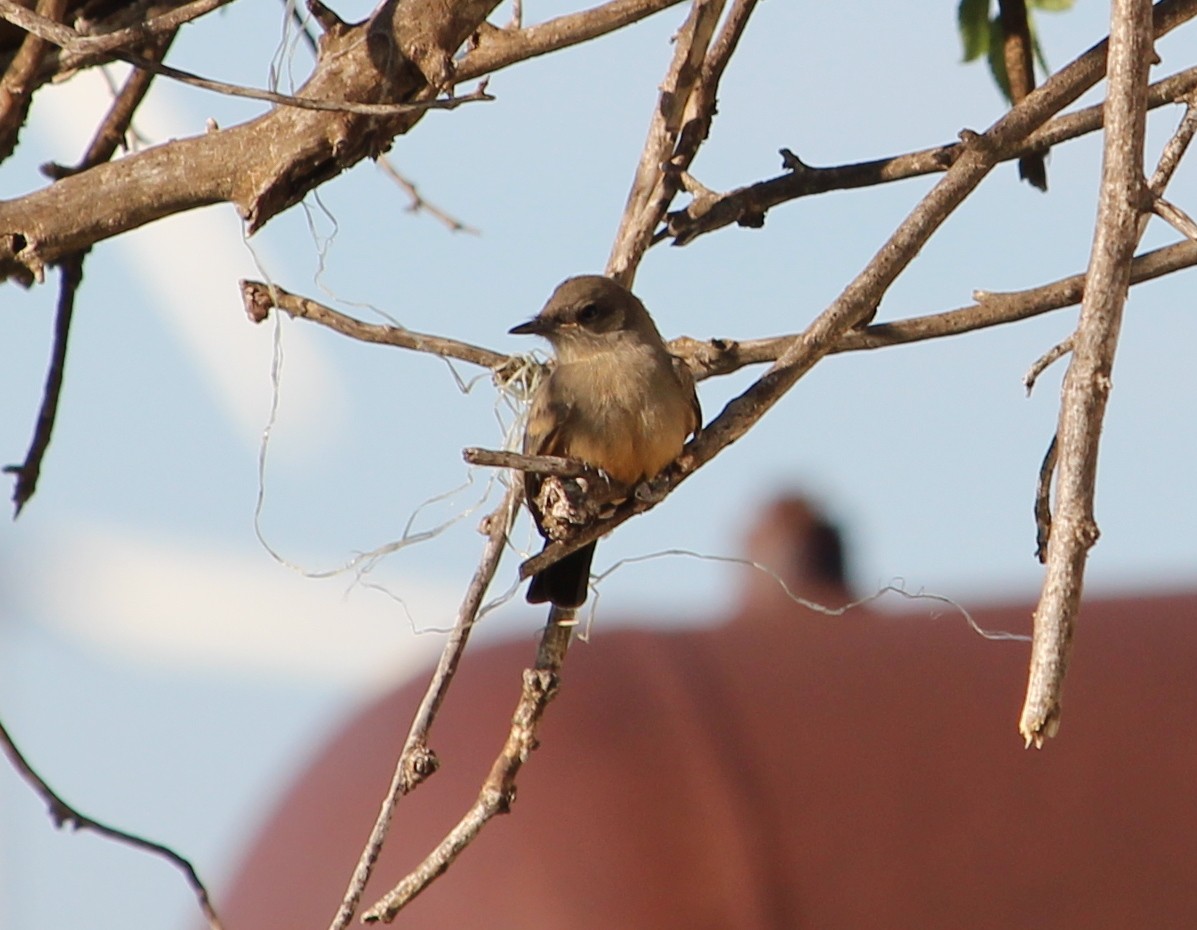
[(263, 166), (540, 684), (747, 206), (417, 761), (1087, 382), (654, 186)]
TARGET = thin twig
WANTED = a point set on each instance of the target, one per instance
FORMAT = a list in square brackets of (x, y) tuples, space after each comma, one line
[(417, 761), (28, 472), (1045, 361), (540, 684), (1087, 382), (419, 204), (64, 814), (102, 147), (537, 464), (1175, 217), (1174, 150), (260, 297), (140, 27)]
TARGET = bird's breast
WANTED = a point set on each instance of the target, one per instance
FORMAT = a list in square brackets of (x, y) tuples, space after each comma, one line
[(626, 415)]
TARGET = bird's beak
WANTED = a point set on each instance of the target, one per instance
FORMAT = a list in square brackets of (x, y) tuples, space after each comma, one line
[(534, 327)]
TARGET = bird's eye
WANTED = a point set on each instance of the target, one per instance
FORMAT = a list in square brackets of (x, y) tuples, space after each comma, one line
[(589, 313)]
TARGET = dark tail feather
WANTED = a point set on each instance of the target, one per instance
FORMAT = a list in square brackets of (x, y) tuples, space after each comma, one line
[(564, 583), (1033, 170)]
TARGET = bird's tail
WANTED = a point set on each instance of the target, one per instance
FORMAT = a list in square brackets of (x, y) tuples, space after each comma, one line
[(563, 583)]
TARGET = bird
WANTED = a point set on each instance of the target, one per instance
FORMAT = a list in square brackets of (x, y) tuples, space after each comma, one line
[(616, 400)]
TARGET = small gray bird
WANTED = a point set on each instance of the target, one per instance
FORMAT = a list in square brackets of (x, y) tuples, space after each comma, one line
[(616, 400)]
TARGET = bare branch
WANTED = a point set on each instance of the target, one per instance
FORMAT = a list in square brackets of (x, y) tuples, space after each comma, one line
[(1087, 382), (101, 44), (747, 206), (103, 146), (28, 472), (110, 134), (64, 815), (723, 356), (653, 187), (500, 48), (1175, 217), (1031, 378), (260, 297), (1175, 148), (263, 166), (17, 83), (70, 40), (419, 204), (539, 687), (417, 761), (538, 464)]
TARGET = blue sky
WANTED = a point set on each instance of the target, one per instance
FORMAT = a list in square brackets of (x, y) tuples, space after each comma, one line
[(166, 672)]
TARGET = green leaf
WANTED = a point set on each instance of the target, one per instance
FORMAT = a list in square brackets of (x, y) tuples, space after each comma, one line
[(1052, 6), (972, 18)]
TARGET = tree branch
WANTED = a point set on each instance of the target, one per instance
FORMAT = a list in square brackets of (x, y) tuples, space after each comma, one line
[(747, 206), (259, 298), (417, 761), (17, 84), (64, 815), (418, 204), (69, 39), (714, 357), (50, 29), (724, 356), (653, 186), (103, 146), (1087, 382), (540, 684), (263, 166), (500, 48)]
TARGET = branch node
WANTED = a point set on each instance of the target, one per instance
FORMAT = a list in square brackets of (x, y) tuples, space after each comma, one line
[(792, 162), (419, 764)]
